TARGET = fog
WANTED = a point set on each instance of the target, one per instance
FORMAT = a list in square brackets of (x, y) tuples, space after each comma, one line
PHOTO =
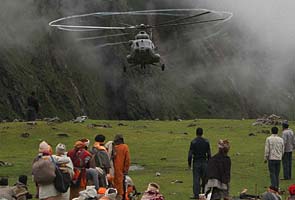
[(251, 54)]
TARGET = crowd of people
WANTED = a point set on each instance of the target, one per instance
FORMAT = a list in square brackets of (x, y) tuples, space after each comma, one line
[(84, 172), (100, 171), (211, 175), (98, 166)]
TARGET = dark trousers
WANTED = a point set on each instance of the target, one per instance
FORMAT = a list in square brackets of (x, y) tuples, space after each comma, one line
[(31, 114), (274, 172), (199, 174), (287, 165)]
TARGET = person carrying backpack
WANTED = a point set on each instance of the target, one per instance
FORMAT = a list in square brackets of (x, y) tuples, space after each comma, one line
[(80, 158), (100, 160), (66, 168), (43, 171)]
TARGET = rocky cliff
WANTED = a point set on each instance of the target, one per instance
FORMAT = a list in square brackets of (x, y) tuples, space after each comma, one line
[(210, 77)]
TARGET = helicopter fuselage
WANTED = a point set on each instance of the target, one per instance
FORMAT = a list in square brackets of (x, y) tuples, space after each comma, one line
[(142, 51)]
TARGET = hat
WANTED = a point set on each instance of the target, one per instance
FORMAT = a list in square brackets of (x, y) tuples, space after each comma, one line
[(285, 122), (111, 193), (23, 179), (79, 145), (274, 188), (44, 147), (223, 144), (153, 187), (100, 138), (292, 189), (60, 149), (85, 141)]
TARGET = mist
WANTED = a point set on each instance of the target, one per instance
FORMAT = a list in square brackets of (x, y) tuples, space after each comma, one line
[(244, 65), (260, 66)]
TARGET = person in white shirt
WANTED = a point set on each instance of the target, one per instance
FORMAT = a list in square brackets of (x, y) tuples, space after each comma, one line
[(273, 153), (288, 137)]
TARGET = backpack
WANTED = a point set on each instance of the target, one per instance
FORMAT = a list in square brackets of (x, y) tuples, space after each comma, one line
[(79, 157), (62, 179), (43, 171), (100, 159)]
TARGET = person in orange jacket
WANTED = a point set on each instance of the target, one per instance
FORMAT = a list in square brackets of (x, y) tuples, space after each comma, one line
[(121, 164)]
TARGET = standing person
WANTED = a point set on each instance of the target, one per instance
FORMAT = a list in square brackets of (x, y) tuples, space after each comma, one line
[(273, 153), (65, 164), (200, 153), (288, 137), (43, 171), (80, 158), (100, 160), (111, 153), (33, 107), (218, 171), (121, 164)]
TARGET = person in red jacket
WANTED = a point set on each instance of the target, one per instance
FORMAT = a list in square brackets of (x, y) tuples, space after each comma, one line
[(121, 164), (80, 158)]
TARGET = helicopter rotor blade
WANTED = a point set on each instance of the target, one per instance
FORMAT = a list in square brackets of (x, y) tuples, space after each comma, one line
[(111, 44), (71, 27), (183, 18), (76, 29), (189, 23), (103, 36), (180, 13)]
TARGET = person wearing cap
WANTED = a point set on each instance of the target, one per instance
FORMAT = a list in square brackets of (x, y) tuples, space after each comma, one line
[(152, 192), (200, 153), (291, 190), (65, 164), (218, 172), (121, 164), (288, 137), (80, 158), (47, 191), (273, 153), (272, 193)]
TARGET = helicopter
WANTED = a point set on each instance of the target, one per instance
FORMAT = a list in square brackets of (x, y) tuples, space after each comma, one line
[(143, 51)]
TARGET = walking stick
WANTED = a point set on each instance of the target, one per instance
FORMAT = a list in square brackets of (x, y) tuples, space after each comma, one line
[(124, 186)]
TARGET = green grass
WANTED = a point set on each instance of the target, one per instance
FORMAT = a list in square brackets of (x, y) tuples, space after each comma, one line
[(149, 143)]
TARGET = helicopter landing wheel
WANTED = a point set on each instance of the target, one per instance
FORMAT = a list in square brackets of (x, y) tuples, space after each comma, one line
[(163, 67)]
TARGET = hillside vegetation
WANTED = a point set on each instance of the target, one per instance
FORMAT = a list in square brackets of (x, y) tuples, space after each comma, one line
[(215, 77), (158, 146)]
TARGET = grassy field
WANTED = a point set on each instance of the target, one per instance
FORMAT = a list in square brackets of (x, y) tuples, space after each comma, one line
[(159, 146)]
